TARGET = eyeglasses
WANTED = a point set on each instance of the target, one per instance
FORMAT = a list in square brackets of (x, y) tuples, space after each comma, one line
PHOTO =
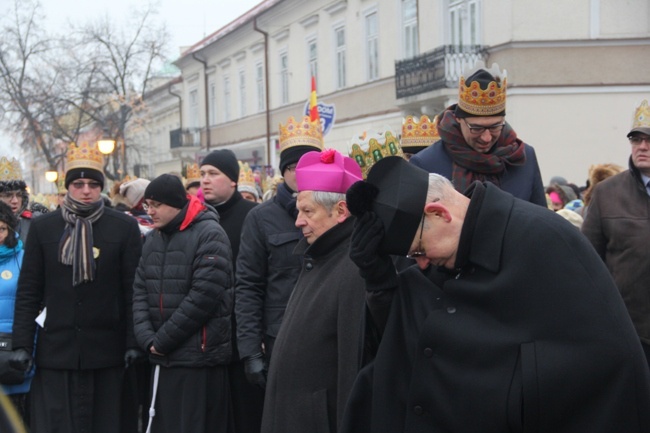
[(291, 167), (81, 185), (10, 195), (153, 205), (478, 130), (636, 140), (419, 252)]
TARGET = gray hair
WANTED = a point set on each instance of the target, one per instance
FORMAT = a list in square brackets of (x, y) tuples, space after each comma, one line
[(440, 189), (327, 199)]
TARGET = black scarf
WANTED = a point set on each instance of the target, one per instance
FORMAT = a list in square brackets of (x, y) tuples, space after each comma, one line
[(287, 199), (76, 244)]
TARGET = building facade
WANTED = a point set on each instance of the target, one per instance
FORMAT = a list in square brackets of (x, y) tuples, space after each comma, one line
[(577, 69)]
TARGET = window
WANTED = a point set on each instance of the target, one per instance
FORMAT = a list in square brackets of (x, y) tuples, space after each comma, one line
[(259, 83), (464, 22), (242, 93), (410, 28), (194, 108), (284, 78), (312, 53), (213, 104), (226, 98), (339, 46), (372, 46)]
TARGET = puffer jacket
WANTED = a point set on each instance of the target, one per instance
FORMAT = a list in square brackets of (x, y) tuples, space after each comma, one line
[(183, 292)]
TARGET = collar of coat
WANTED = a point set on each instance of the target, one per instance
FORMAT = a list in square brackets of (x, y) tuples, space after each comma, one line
[(328, 241), (482, 235)]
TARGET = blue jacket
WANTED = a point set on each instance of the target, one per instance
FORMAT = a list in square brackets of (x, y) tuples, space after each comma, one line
[(523, 181), (9, 271)]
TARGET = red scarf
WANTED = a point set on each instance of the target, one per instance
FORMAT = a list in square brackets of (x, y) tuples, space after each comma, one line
[(470, 165)]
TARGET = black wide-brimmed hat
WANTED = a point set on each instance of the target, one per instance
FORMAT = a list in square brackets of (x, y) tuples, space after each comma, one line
[(396, 191)]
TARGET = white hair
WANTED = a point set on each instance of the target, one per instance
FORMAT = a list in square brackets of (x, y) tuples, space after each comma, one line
[(440, 189)]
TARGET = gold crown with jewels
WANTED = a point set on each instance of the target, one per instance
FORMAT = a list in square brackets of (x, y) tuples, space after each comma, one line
[(303, 133), (192, 174), (642, 116), (420, 133), (10, 169), (84, 155), (368, 148), (246, 176), (487, 101)]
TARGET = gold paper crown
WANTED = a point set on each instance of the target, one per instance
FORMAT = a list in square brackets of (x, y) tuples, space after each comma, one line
[(490, 101), (10, 169), (420, 133), (85, 155), (303, 133), (246, 177), (642, 116), (369, 148), (60, 184), (192, 173)]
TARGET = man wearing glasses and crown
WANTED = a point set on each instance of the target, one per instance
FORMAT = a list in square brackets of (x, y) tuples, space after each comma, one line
[(476, 143), (79, 263)]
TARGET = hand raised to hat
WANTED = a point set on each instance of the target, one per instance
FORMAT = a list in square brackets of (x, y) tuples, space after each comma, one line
[(377, 269)]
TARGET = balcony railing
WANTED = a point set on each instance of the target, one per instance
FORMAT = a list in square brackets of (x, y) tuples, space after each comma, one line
[(437, 69), (188, 137)]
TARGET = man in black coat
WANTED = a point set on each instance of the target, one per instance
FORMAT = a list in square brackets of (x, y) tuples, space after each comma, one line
[(219, 176), (267, 268), (182, 303), (317, 352), (77, 279), (510, 321)]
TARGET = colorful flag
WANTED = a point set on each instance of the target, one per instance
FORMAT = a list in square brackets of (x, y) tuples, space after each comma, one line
[(313, 103)]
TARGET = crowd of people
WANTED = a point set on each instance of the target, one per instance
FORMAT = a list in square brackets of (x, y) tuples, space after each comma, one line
[(439, 286)]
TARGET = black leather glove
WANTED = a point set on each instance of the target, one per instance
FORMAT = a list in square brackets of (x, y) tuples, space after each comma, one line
[(21, 360), (132, 356), (255, 368), (378, 270)]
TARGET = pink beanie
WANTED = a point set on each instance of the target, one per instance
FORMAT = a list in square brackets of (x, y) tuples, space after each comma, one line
[(327, 171)]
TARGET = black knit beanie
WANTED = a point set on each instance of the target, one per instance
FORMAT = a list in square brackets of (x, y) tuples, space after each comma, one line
[(83, 173), (293, 154), (167, 189), (224, 160)]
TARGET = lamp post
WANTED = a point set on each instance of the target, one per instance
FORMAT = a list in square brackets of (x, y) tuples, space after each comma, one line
[(51, 176)]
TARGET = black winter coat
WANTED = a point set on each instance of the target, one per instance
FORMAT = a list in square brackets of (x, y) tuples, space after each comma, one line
[(88, 326), (182, 296), (316, 355), (530, 336), (267, 271)]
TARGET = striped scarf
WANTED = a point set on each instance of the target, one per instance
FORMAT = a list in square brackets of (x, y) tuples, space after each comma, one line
[(76, 245), (469, 165)]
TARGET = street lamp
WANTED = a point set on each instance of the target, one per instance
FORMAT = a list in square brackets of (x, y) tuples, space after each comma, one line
[(106, 144), (51, 175)]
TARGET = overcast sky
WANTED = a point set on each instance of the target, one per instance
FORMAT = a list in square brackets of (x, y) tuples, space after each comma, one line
[(188, 21)]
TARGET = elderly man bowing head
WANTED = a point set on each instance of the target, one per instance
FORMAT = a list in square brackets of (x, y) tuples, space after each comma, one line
[(315, 358)]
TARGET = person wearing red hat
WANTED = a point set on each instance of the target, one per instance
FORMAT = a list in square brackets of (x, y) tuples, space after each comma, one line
[(316, 355)]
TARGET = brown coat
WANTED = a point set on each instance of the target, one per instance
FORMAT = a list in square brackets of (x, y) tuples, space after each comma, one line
[(618, 226)]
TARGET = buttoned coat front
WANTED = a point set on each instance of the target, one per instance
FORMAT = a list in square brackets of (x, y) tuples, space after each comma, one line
[(531, 335), (316, 355)]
